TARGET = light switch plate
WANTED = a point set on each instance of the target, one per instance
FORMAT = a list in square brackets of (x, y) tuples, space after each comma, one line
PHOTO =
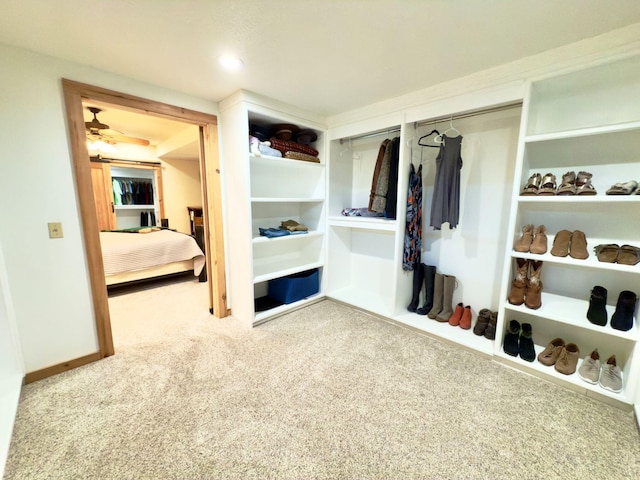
[(55, 229)]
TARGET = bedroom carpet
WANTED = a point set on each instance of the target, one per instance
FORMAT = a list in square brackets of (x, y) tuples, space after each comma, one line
[(322, 392)]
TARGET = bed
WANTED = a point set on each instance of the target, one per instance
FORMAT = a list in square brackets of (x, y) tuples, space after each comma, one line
[(131, 256)]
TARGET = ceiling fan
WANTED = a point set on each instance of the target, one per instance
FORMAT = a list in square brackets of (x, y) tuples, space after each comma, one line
[(98, 131)]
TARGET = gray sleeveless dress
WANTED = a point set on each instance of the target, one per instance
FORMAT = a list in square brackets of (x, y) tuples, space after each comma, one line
[(445, 204)]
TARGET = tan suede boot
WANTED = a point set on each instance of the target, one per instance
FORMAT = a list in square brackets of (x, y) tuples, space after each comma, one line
[(524, 242), (539, 243), (519, 285), (533, 294), (447, 298), (438, 284)]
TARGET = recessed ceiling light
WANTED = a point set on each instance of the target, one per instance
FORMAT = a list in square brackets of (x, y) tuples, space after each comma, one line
[(231, 63)]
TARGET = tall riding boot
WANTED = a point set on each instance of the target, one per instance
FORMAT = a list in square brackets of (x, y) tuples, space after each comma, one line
[(418, 277), (429, 278), (438, 286), (447, 299)]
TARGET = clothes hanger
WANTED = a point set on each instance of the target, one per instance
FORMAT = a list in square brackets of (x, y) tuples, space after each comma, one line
[(428, 135), (452, 128)]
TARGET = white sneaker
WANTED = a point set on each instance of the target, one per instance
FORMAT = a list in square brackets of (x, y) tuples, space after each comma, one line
[(589, 371), (611, 376)]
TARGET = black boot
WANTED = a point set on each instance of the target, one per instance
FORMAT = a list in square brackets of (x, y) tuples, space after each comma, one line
[(418, 277), (429, 277), (622, 319), (597, 312)]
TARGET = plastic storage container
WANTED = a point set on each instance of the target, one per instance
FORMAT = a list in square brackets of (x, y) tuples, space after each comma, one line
[(295, 287)]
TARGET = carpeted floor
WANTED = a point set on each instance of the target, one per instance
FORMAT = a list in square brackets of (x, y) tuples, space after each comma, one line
[(322, 392)]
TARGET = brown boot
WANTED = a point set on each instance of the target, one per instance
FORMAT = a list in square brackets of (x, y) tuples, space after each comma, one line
[(539, 243), (533, 294), (454, 319), (438, 284), (524, 242), (516, 297), (447, 298), (465, 321)]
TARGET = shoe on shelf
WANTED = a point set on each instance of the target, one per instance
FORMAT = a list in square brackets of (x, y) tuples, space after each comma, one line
[(548, 186), (524, 242), (466, 319), (539, 243), (578, 248), (454, 319), (510, 345), (607, 252), (622, 318), (550, 354), (561, 243), (583, 184), (611, 376), (482, 322), (490, 332), (526, 350), (589, 371), (628, 255), (597, 311), (568, 185), (568, 359), (520, 280), (626, 188), (532, 185), (533, 292)]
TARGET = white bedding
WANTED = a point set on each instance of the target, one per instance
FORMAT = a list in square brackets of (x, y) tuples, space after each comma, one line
[(128, 252)]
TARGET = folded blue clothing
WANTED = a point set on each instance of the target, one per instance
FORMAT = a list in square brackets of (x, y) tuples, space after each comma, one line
[(273, 232)]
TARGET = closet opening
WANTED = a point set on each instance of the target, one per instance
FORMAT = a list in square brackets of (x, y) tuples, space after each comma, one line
[(207, 215)]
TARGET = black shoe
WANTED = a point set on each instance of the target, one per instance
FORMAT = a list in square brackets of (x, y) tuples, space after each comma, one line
[(429, 278), (622, 319), (525, 348), (418, 277), (597, 312), (510, 344)]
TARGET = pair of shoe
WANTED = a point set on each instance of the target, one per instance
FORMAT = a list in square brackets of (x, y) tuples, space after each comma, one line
[(461, 317), (529, 242), (609, 375), (612, 253), (622, 318), (572, 184), (563, 356), (570, 243), (518, 341), (526, 286), (626, 188), (486, 324)]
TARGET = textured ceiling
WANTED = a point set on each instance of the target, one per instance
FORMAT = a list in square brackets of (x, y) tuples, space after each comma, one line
[(327, 56)]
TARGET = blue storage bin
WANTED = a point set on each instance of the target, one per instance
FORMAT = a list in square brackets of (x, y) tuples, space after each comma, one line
[(295, 287)]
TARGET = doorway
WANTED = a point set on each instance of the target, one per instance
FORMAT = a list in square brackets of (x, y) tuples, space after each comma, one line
[(74, 94)]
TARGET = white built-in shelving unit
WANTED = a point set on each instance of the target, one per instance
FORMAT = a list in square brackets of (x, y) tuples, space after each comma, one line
[(266, 191), (586, 120)]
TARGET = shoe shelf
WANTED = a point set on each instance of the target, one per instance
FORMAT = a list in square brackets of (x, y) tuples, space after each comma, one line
[(573, 312), (444, 331), (368, 223), (591, 262), (620, 130), (550, 373)]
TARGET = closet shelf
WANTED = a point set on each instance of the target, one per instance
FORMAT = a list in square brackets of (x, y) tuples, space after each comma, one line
[(367, 223), (285, 200), (582, 132), (573, 312), (282, 268), (591, 262), (267, 314), (282, 161), (287, 238), (574, 379), (134, 207), (579, 199)]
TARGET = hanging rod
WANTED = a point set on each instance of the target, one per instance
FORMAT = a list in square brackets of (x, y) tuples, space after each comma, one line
[(473, 113), (372, 134)]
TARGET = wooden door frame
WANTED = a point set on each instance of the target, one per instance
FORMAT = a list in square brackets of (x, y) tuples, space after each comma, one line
[(74, 94)]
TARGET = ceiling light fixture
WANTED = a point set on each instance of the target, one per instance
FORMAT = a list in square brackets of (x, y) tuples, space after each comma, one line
[(230, 62), (99, 146)]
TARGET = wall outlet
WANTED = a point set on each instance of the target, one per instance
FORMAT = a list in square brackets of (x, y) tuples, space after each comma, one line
[(55, 229)]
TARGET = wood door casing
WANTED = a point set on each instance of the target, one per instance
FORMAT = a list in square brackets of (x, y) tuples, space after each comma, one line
[(103, 194)]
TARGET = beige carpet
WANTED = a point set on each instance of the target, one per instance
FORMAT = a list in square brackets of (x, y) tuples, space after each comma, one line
[(323, 392)]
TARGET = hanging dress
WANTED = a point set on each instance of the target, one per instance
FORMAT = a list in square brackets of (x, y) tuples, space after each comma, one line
[(445, 204), (413, 230)]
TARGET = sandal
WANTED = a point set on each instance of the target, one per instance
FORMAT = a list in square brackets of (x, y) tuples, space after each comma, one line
[(628, 255), (623, 188), (531, 188), (548, 186), (607, 252), (568, 185), (583, 184)]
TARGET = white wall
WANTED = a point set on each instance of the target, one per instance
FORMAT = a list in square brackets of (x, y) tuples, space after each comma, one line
[(49, 278), (182, 189)]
